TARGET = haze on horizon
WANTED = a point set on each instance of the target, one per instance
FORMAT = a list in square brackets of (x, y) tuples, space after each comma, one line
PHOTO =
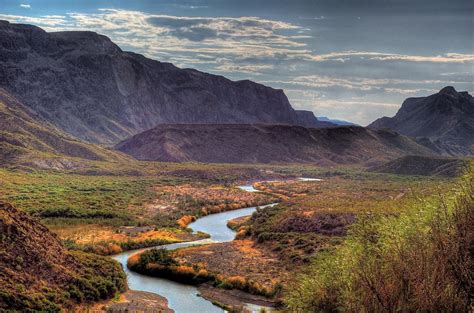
[(349, 59)]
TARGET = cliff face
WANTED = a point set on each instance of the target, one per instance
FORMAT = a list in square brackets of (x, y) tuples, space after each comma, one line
[(87, 86), (443, 121), (268, 144)]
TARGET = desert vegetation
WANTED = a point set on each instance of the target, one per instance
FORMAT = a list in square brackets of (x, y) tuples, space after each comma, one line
[(89, 211), (231, 265), (318, 216), (419, 260), (187, 202)]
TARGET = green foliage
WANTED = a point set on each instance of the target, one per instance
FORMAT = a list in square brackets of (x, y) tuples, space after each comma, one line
[(98, 278), (421, 260), (157, 256), (64, 198)]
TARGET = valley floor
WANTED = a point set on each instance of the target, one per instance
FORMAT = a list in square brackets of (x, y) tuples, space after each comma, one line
[(108, 214)]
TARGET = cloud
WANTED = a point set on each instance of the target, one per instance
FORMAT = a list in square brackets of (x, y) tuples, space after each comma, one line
[(405, 87), (242, 37), (25, 6), (371, 55)]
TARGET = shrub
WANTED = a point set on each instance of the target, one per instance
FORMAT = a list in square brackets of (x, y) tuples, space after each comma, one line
[(420, 261)]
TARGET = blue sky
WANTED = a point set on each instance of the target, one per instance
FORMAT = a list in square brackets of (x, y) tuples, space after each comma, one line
[(348, 59)]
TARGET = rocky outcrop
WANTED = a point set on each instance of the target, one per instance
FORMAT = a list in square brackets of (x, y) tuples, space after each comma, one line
[(268, 144), (87, 86), (444, 122)]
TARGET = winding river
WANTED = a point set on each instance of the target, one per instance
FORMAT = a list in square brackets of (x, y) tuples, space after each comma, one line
[(184, 298)]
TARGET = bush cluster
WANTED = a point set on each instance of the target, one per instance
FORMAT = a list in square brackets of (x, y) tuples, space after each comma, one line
[(420, 261)]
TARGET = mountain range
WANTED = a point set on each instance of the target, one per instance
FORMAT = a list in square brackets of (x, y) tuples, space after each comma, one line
[(72, 93), (444, 121), (336, 121), (84, 84)]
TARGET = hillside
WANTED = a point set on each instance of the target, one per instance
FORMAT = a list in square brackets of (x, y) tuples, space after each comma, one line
[(39, 274), (25, 137), (443, 121), (421, 165), (88, 87), (268, 144)]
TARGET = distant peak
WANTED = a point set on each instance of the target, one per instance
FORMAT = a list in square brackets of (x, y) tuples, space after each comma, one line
[(449, 90)]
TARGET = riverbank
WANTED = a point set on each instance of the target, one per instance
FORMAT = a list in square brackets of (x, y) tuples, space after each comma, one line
[(236, 299), (130, 301), (181, 297)]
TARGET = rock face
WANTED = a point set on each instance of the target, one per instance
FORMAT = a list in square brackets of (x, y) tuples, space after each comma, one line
[(268, 144), (87, 86), (24, 135), (38, 274), (443, 121)]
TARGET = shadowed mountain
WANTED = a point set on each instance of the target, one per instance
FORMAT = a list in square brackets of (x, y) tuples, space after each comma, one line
[(87, 86), (336, 121), (268, 144), (308, 119), (25, 137), (39, 275), (443, 122)]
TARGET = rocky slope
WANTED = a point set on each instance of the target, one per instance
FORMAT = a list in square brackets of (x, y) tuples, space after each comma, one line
[(87, 86), (443, 121), (39, 274), (25, 137), (268, 144)]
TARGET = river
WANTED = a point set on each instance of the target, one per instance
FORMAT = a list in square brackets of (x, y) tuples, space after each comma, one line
[(184, 298)]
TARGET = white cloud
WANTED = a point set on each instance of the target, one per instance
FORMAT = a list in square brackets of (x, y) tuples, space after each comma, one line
[(25, 6), (371, 55)]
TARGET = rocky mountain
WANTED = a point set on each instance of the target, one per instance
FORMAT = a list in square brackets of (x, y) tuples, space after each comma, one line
[(423, 165), (87, 86), (39, 275), (24, 137), (269, 144), (443, 121), (308, 119)]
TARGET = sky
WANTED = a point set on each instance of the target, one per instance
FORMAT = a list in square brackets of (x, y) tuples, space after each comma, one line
[(348, 59)]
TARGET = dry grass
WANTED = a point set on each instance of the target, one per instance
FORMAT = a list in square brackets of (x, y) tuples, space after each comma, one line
[(93, 233)]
